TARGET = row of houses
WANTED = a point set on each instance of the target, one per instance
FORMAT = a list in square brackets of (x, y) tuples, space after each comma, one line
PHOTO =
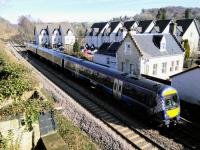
[(54, 36), (108, 32)]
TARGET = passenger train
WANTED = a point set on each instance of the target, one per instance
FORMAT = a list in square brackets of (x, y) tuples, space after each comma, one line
[(160, 101)]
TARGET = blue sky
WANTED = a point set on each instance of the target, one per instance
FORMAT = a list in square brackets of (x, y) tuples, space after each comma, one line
[(82, 10)]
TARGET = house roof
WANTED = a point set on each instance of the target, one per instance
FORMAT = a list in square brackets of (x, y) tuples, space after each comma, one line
[(113, 25), (149, 48), (50, 27), (121, 30), (98, 27), (184, 23), (185, 71), (129, 24), (161, 25), (109, 49), (144, 24), (39, 27)]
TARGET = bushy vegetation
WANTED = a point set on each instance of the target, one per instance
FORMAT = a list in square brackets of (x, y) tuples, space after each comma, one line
[(187, 49), (76, 46), (13, 80)]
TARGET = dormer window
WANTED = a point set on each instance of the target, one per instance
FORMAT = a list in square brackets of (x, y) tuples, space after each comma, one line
[(163, 44), (160, 42)]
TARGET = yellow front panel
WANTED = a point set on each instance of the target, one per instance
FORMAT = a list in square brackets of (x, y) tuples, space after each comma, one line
[(173, 113), (169, 92)]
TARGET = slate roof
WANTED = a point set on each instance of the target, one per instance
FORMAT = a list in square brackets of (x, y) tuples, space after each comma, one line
[(144, 24), (121, 30), (113, 25), (98, 27), (129, 24), (52, 26), (184, 23), (109, 49), (148, 48), (161, 24)]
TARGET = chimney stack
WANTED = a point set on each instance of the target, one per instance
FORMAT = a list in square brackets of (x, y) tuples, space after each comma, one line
[(172, 28)]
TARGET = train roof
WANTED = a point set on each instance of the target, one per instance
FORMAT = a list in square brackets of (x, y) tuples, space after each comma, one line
[(139, 81)]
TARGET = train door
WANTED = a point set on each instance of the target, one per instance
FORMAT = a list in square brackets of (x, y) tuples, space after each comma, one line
[(117, 88)]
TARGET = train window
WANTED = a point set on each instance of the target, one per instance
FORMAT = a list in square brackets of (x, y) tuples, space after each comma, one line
[(120, 87), (171, 101)]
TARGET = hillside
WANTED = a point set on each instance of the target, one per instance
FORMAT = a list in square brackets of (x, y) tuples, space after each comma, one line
[(171, 12), (7, 30)]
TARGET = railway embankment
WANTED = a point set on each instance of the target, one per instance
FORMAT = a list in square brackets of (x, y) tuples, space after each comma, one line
[(20, 106)]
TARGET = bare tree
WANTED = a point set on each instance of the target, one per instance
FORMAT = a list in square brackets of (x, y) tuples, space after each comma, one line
[(26, 27)]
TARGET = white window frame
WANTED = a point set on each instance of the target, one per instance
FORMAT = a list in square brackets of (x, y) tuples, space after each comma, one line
[(172, 66), (155, 69), (146, 69), (164, 67), (177, 65)]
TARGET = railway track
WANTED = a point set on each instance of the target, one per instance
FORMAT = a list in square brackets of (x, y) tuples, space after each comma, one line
[(137, 139)]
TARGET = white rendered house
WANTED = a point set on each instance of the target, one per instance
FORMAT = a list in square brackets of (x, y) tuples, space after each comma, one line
[(41, 35), (157, 55), (56, 38)]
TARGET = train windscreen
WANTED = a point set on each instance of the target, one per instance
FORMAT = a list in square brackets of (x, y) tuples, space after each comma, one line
[(171, 101)]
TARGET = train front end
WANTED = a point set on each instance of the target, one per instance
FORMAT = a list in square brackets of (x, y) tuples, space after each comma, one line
[(171, 106)]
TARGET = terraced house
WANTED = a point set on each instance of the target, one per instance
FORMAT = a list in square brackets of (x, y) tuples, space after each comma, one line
[(158, 55), (53, 36), (108, 32)]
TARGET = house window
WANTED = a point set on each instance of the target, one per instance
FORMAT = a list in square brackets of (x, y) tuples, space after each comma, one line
[(123, 66), (164, 67), (131, 69), (108, 60), (163, 44), (155, 68), (177, 65), (127, 50), (172, 66)]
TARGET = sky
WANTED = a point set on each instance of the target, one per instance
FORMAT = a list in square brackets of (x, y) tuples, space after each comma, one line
[(82, 10)]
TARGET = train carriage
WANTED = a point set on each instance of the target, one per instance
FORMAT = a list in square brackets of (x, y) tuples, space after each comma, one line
[(158, 100)]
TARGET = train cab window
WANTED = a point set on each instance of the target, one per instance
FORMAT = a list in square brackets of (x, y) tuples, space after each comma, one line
[(171, 101)]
